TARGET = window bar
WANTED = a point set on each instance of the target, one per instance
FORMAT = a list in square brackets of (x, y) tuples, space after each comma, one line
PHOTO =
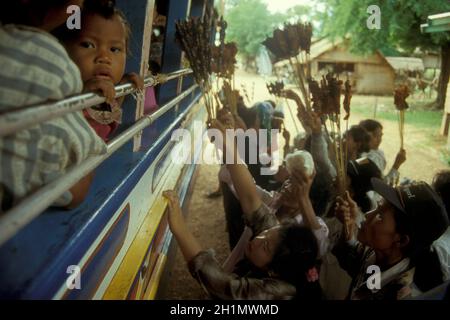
[(32, 206), (16, 120)]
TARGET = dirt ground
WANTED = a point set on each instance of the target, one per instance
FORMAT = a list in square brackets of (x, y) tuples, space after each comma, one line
[(206, 216)]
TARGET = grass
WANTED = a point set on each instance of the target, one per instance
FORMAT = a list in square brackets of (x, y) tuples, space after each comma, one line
[(445, 157), (416, 115)]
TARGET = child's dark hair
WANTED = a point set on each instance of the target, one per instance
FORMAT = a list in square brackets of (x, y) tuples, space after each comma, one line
[(295, 255), (361, 136), (441, 184), (428, 273), (103, 8), (30, 12), (370, 125)]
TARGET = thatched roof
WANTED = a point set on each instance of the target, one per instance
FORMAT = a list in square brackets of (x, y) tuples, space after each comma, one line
[(322, 46), (397, 63), (317, 48), (405, 63)]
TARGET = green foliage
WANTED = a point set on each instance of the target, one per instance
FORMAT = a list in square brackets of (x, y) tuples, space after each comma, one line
[(249, 23), (298, 12), (417, 115), (400, 24), (445, 157)]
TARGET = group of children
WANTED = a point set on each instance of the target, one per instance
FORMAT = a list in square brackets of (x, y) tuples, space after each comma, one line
[(306, 240), (41, 60)]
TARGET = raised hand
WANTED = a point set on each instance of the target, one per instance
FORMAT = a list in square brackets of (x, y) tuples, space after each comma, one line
[(136, 80), (303, 183), (400, 159), (226, 118), (286, 136), (290, 94), (176, 220), (346, 212), (315, 123), (102, 87)]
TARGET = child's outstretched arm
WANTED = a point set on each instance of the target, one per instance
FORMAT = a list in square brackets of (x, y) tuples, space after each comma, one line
[(346, 211), (243, 182), (102, 87), (106, 87), (188, 244), (303, 183)]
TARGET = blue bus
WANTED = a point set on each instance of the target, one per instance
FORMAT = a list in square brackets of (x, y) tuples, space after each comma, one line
[(116, 243)]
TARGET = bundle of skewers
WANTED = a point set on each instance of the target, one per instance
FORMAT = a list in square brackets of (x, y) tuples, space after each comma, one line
[(277, 89), (194, 36), (400, 95), (223, 65), (293, 42), (326, 103)]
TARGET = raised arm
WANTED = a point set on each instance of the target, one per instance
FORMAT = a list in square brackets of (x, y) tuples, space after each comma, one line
[(302, 114), (319, 149), (393, 175), (188, 244), (207, 271), (241, 177), (304, 186), (348, 251)]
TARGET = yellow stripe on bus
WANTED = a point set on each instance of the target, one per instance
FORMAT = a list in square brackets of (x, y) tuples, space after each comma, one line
[(153, 285), (123, 279)]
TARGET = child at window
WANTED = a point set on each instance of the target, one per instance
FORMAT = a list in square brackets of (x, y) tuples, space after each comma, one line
[(35, 68), (99, 49)]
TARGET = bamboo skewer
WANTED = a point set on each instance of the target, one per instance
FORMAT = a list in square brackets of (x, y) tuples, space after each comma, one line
[(194, 37), (293, 44), (302, 81), (400, 95)]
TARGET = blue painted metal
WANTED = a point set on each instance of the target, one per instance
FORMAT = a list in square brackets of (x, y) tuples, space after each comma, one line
[(197, 8), (100, 261), (33, 264), (172, 53), (162, 247)]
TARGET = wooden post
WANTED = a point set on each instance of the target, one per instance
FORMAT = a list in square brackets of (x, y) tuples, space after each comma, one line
[(445, 124), (140, 15), (375, 107)]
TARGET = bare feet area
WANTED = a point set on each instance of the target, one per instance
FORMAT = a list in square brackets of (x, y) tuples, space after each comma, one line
[(206, 216)]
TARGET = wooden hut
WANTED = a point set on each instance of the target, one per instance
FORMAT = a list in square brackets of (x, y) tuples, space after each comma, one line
[(369, 74), (441, 23)]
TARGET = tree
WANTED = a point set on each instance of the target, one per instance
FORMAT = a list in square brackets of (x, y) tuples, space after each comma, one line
[(249, 23), (298, 12), (400, 27)]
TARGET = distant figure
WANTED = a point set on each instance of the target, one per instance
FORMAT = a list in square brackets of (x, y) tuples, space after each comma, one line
[(264, 63)]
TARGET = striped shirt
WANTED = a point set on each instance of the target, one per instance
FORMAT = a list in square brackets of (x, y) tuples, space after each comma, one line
[(35, 68)]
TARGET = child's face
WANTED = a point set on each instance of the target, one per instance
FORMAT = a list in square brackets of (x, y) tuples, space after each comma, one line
[(379, 229), (350, 144), (261, 249), (100, 50), (375, 138)]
